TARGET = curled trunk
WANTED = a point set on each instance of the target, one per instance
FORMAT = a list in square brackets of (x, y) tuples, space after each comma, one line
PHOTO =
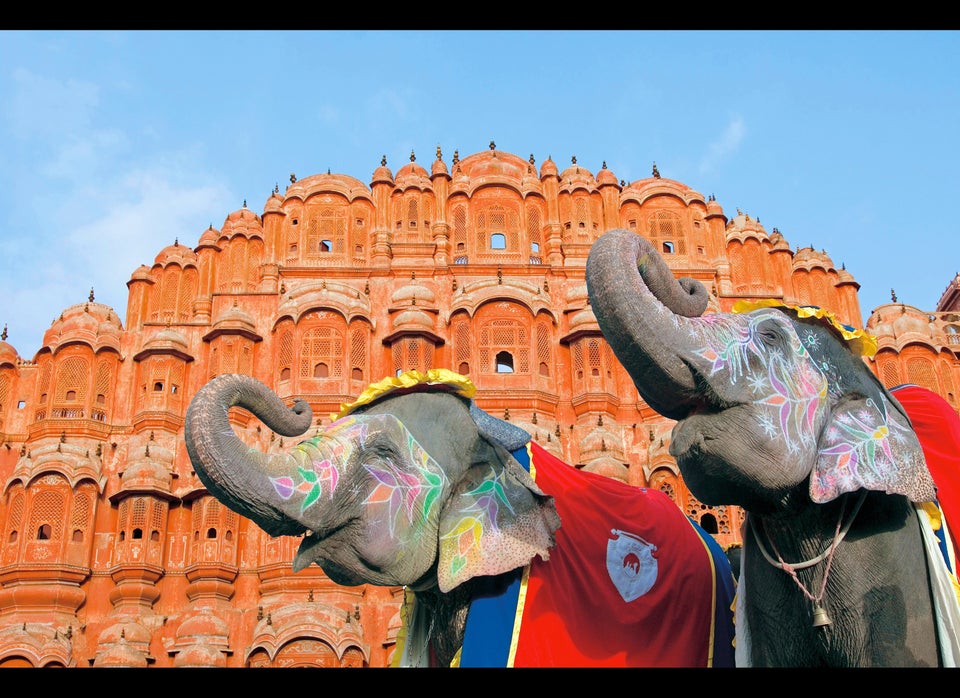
[(642, 310), (233, 472)]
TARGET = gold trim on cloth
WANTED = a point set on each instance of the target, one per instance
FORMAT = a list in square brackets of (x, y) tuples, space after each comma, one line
[(859, 341), (410, 379)]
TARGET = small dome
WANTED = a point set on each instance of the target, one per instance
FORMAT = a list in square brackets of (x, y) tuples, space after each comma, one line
[(203, 625), (167, 339), (743, 225), (235, 319), (439, 167), (243, 221), (807, 258), (146, 474), (548, 168), (209, 237), (274, 203), (8, 355), (413, 319), (382, 175), (413, 293), (412, 175), (713, 208), (125, 631), (576, 174), (600, 443), (94, 323), (176, 254), (911, 320), (605, 176), (608, 467), (200, 654), (141, 273)]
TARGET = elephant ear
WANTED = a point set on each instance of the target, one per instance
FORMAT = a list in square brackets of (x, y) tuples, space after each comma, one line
[(495, 520), (870, 445)]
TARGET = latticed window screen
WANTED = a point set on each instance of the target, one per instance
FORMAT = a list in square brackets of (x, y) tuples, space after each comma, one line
[(139, 517), (504, 334), (821, 296), (801, 285), (102, 382), (14, 513), (82, 508), (666, 227), (582, 219), (358, 353), (43, 383), (285, 350), (533, 230), (329, 225), (48, 509), (72, 375), (4, 391), (543, 348), (920, 371), (460, 230), (412, 212), (321, 345), (461, 345), (576, 355), (189, 283), (947, 378)]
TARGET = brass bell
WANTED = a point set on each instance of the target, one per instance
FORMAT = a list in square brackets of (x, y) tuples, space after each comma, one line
[(820, 617)]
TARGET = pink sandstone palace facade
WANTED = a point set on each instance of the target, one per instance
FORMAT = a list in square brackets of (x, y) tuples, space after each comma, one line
[(113, 553)]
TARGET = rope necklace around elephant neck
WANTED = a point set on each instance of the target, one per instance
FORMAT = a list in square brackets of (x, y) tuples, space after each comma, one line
[(820, 617)]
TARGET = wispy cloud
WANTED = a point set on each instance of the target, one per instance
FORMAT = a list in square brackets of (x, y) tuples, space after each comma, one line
[(727, 144)]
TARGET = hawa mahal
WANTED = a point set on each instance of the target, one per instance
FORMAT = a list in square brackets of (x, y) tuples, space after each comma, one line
[(112, 552)]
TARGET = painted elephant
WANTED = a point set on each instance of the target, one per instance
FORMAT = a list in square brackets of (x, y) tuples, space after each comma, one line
[(414, 485), (777, 413)]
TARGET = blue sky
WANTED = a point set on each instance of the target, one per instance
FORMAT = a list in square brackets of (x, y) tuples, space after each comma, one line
[(113, 144)]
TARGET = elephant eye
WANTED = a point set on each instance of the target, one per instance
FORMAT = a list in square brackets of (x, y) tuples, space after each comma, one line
[(768, 333)]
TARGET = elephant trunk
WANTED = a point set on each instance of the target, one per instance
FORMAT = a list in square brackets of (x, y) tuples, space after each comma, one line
[(233, 472), (643, 313)]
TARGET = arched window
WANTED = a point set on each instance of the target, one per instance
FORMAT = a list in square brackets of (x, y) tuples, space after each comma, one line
[(498, 241), (504, 362)]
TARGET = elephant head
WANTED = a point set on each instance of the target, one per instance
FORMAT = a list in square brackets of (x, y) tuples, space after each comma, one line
[(398, 490), (773, 408)]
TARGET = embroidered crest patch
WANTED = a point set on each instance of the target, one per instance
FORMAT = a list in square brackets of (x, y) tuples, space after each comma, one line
[(631, 564)]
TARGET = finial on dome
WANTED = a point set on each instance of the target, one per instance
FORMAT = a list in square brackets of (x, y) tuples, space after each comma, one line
[(439, 154), (276, 188), (176, 243), (656, 172), (573, 160), (383, 161), (456, 156), (90, 297), (623, 183), (893, 295), (413, 158), (244, 203), (293, 178), (328, 170), (604, 165), (493, 146), (3, 335), (532, 161)]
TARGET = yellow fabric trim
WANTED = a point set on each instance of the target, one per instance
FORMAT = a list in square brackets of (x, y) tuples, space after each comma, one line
[(521, 602), (409, 379), (406, 609), (860, 341), (933, 513), (713, 603), (522, 596)]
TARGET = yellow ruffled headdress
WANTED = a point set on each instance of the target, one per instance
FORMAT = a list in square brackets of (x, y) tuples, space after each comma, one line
[(859, 341), (408, 381)]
